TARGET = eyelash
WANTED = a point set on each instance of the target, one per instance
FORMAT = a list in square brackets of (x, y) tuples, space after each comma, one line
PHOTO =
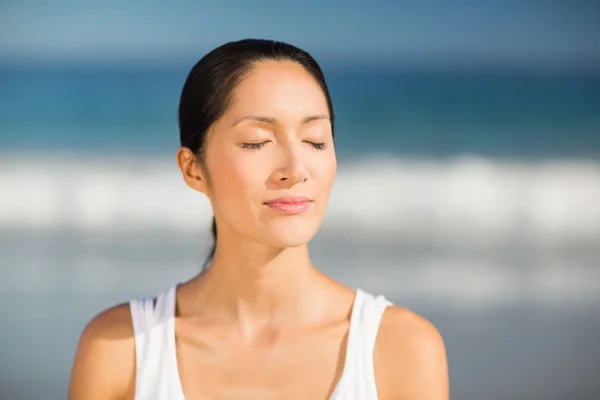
[(253, 146), (256, 146), (318, 146)]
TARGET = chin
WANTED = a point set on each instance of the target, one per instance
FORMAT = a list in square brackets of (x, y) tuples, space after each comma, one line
[(290, 233)]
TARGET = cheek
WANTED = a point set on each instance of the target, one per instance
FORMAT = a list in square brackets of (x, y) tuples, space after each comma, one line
[(235, 184), (325, 173)]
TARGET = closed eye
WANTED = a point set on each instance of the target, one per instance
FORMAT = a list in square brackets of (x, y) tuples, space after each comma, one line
[(253, 146), (318, 146)]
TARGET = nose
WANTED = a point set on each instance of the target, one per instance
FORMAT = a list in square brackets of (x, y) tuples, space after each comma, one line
[(292, 170)]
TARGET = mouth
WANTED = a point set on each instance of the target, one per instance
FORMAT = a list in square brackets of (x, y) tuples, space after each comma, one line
[(290, 204)]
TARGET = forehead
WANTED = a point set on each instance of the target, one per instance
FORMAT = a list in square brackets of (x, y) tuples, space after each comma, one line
[(278, 89)]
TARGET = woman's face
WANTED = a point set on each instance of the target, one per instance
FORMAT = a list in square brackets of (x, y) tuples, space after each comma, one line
[(275, 142)]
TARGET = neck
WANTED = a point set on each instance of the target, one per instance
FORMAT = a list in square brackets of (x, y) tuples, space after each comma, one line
[(256, 286)]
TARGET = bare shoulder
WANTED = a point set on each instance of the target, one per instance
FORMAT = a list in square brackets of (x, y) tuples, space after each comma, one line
[(104, 365), (410, 358)]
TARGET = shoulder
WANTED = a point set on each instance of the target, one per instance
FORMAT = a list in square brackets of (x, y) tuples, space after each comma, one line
[(104, 365), (410, 357)]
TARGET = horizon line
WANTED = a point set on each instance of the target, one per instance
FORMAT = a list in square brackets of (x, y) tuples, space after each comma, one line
[(327, 61)]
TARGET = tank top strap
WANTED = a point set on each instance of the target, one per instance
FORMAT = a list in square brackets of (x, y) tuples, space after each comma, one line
[(354, 334), (371, 313), (358, 377), (152, 320)]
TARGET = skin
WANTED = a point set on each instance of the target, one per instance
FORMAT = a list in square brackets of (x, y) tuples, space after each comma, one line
[(262, 321)]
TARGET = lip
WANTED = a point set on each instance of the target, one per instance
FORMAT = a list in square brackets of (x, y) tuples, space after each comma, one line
[(290, 204), (289, 200)]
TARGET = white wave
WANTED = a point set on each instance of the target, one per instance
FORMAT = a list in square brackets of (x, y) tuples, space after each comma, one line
[(458, 199)]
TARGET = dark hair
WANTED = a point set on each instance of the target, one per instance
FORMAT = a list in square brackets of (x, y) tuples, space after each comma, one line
[(209, 87)]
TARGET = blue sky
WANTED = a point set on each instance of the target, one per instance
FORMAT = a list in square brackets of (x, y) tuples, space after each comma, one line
[(499, 32)]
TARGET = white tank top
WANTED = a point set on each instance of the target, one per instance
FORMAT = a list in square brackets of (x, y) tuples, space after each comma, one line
[(157, 377)]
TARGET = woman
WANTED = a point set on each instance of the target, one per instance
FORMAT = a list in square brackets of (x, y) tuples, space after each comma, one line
[(256, 124)]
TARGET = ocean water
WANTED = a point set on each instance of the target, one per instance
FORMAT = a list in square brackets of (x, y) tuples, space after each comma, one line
[(475, 202), (396, 112)]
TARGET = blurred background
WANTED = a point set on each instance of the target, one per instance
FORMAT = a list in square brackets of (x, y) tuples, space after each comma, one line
[(468, 136)]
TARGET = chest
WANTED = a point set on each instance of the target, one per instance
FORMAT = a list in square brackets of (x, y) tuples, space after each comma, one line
[(301, 366)]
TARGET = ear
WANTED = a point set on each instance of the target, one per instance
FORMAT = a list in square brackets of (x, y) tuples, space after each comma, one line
[(191, 170)]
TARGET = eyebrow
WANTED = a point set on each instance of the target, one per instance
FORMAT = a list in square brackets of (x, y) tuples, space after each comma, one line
[(273, 121)]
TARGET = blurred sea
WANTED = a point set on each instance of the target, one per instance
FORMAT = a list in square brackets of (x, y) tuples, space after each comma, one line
[(475, 202)]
